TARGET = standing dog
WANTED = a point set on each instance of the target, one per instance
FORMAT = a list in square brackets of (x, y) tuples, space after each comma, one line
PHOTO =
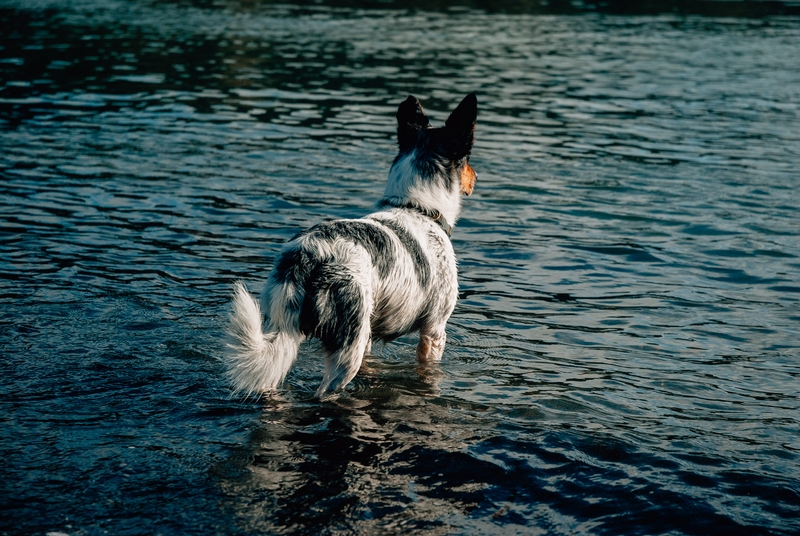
[(349, 282)]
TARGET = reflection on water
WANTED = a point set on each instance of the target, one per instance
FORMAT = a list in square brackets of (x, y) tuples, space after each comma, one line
[(623, 358)]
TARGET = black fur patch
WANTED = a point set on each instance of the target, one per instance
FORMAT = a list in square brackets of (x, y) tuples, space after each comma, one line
[(333, 307), (421, 266), (432, 165), (438, 251), (370, 237), (294, 266)]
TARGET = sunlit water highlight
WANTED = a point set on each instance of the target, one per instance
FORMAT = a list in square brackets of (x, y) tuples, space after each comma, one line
[(624, 355)]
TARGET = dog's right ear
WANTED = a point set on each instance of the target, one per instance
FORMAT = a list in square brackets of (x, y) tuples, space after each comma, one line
[(461, 127), (411, 119)]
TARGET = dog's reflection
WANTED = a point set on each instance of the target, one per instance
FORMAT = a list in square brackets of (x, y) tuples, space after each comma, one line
[(358, 461), (381, 377)]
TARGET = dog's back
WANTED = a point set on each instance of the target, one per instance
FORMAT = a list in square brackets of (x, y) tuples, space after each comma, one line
[(347, 282)]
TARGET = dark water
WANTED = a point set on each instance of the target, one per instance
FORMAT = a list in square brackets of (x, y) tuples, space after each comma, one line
[(624, 356)]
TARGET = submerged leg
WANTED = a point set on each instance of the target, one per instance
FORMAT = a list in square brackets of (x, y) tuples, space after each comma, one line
[(431, 343), (343, 365), (338, 314)]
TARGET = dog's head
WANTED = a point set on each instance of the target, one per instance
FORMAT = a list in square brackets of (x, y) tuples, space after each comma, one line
[(440, 149), (432, 168)]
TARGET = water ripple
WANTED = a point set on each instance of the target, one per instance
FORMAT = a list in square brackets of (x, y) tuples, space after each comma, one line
[(623, 357)]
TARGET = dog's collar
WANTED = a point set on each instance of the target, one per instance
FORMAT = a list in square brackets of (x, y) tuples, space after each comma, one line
[(442, 221), (435, 215)]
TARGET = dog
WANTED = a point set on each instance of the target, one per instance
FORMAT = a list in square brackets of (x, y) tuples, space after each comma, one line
[(350, 282)]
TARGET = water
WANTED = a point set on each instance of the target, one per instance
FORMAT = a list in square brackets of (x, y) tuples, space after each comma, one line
[(624, 355)]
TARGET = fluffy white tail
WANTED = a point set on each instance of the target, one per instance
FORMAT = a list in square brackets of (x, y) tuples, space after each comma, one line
[(257, 361)]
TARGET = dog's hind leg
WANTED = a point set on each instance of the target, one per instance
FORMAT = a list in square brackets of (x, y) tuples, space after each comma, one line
[(431, 343), (342, 365), (342, 306)]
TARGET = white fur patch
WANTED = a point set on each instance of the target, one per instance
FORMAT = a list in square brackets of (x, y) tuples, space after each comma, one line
[(405, 185)]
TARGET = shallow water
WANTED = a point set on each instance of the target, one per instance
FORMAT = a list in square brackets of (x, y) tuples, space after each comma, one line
[(624, 355)]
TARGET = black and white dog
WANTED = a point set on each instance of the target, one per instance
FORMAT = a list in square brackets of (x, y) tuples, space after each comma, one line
[(349, 282)]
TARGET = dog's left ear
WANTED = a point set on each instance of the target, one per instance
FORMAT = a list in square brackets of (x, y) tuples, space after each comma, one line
[(411, 119), (461, 127)]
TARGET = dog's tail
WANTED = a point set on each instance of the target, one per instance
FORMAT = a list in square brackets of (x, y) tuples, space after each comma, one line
[(257, 361)]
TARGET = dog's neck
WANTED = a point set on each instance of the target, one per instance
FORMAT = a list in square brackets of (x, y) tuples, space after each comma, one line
[(435, 215), (436, 196)]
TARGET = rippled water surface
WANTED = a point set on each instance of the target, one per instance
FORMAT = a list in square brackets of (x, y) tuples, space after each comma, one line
[(624, 355)]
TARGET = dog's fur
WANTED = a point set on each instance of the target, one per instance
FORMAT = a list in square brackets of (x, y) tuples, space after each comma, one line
[(349, 282)]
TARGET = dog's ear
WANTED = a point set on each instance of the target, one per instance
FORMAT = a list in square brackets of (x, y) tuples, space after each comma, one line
[(461, 127), (411, 119)]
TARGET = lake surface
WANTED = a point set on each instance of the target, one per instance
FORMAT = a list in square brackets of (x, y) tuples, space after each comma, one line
[(625, 354)]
